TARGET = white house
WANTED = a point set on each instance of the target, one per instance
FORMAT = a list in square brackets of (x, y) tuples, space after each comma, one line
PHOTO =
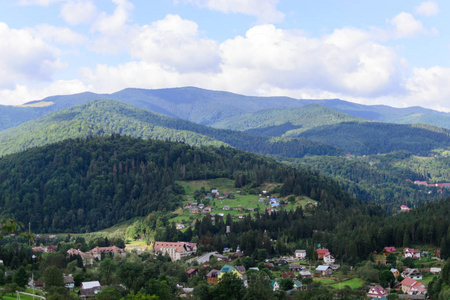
[(89, 285), (329, 259), (274, 284), (300, 254)]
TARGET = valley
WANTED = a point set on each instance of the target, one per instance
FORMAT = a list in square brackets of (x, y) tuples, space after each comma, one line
[(251, 184)]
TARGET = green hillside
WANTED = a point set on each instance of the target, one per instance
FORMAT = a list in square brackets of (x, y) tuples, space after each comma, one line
[(80, 185), (103, 117), (286, 121), (376, 137)]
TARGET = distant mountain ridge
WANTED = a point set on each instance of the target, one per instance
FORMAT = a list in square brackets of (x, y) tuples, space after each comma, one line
[(105, 117), (211, 108)]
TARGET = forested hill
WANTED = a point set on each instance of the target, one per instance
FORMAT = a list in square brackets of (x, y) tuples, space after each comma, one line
[(104, 117), (211, 107), (287, 121), (88, 184)]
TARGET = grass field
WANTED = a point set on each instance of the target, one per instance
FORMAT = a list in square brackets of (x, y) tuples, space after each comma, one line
[(352, 283), (243, 200)]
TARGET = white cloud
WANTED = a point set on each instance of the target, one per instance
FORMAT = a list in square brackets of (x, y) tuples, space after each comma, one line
[(429, 87), (114, 34), (76, 12), (344, 61), (405, 26), (59, 35), (175, 43), (264, 10), (26, 57), (22, 93), (110, 24), (106, 79), (428, 8)]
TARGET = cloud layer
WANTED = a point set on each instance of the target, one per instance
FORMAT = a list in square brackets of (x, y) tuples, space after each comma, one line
[(362, 65)]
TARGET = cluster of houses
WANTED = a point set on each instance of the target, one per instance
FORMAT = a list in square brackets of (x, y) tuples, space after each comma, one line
[(97, 253)]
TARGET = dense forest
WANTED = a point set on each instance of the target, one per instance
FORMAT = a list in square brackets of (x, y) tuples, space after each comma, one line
[(88, 184), (384, 179), (105, 117)]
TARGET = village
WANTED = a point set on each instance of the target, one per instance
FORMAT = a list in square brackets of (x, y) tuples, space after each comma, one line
[(411, 269)]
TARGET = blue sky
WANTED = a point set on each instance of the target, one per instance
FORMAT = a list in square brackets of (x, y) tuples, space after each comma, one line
[(371, 52)]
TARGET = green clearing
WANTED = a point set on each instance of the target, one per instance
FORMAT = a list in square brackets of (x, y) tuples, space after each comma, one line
[(352, 283), (240, 205), (324, 280)]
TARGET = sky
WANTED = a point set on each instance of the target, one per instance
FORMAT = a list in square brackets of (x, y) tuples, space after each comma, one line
[(387, 52)]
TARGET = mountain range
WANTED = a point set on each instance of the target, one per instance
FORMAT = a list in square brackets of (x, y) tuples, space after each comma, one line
[(314, 134)]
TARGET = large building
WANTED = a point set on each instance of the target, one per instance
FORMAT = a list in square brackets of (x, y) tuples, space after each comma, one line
[(176, 250), (113, 250)]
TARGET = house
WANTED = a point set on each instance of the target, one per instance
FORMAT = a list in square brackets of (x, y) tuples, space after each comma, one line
[(52, 248), (288, 275), (274, 202), (176, 250), (300, 254), (414, 253), (321, 253), (404, 208), (305, 273), (298, 285), (97, 252), (194, 210), (69, 283), (295, 267), (37, 284), (395, 272), (413, 287), (241, 269), (435, 271), (274, 284), (226, 207), (89, 284), (329, 259), (387, 250), (180, 226), (324, 270), (87, 258), (412, 273), (38, 249), (226, 269), (201, 206), (212, 276), (191, 272), (377, 292), (89, 289)]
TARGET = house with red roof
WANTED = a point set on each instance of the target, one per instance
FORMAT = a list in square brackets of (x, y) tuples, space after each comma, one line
[(321, 253), (377, 292), (113, 250), (409, 252), (176, 250), (413, 287), (404, 208), (387, 250)]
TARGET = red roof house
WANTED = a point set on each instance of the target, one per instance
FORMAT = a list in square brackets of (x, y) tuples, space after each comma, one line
[(377, 292), (321, 253)]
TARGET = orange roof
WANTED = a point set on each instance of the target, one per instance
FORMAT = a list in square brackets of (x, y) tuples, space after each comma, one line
[(408, 282), (322, 251)]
